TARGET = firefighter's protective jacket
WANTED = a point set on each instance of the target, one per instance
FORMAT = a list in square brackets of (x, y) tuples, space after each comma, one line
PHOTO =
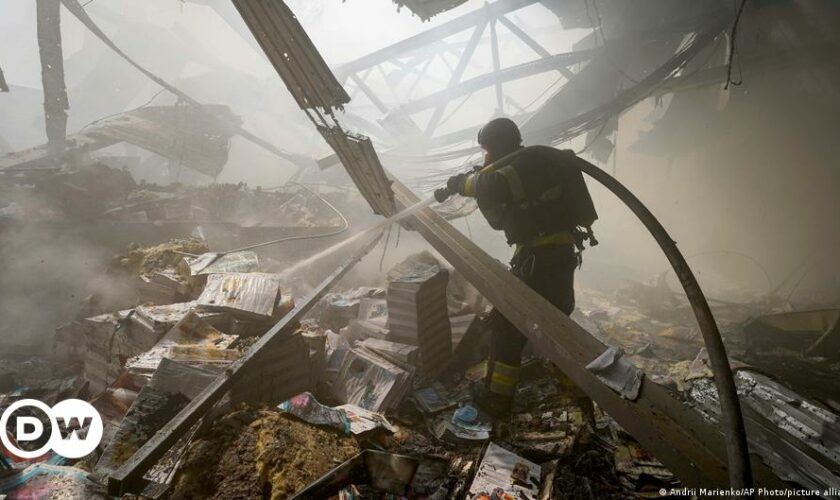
[(534, 195)]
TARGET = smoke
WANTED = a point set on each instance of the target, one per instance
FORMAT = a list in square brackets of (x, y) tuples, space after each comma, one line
[(48, 276), (746, 172)]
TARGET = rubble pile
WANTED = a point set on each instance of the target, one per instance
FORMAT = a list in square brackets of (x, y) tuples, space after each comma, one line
[(93, 193), (369, 377), (373, 393), (786, 366)]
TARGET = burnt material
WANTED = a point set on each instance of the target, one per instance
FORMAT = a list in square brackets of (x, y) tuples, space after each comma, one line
[(129, 477)]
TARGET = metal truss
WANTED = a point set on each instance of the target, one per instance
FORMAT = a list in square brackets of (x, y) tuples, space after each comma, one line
[(405, 65)]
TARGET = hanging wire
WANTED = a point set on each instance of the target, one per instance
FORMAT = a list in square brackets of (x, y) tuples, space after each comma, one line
[(733, 49)]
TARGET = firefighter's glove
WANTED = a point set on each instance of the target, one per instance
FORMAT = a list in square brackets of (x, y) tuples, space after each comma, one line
[(456, 183)]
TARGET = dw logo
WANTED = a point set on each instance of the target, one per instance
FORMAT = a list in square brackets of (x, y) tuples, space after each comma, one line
[(76, 428)]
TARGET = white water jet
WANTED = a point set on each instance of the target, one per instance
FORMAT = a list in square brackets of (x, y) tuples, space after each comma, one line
[(347, 241)]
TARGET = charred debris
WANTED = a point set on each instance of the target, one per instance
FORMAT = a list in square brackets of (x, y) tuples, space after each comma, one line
[(275, 339)]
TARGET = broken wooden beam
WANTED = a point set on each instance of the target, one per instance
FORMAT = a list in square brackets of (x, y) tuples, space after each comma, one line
[(129, 477)]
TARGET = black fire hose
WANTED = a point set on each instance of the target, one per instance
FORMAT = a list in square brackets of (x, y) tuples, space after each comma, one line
[(740, 472), (737, 454)]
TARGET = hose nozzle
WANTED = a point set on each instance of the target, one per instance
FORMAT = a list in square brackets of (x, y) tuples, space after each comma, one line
[(442, 194)]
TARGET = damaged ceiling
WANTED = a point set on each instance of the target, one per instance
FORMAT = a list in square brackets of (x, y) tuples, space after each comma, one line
[(251, 341)]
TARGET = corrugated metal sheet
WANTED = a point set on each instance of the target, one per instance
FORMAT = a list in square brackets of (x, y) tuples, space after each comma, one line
[(292, 54)]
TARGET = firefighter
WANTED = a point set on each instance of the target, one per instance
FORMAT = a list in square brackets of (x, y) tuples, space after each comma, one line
[(544, 208)]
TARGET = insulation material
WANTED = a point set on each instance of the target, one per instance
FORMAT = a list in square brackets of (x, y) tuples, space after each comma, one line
[(240, 456), (417, 315), (253, 295), (501, 469)]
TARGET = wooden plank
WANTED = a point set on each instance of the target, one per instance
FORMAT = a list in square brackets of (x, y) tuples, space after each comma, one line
[(129, 477)]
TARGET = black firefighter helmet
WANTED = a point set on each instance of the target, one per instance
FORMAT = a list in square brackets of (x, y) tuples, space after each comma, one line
[(500, 136)]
